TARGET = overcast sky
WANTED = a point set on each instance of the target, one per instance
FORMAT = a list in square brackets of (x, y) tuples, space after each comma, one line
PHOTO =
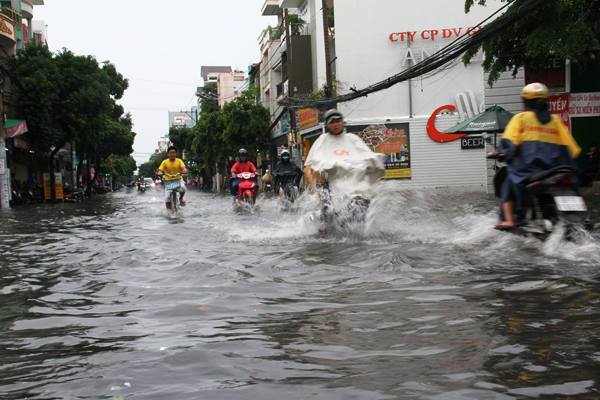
[(159, 46)]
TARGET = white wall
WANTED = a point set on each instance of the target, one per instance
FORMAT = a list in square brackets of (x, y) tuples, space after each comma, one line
[(366, 55)]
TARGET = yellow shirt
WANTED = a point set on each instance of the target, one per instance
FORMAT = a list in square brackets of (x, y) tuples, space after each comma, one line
[(525, 127), (172, 168)]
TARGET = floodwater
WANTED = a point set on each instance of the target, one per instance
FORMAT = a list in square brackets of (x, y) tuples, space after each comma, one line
[(113, 299)]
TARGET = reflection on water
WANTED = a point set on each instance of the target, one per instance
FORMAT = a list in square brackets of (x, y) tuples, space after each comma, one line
[(110, 299)]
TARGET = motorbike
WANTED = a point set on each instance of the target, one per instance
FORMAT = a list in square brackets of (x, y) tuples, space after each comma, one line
[(247, 190), (354, 212), (288, 190), (551, 200)]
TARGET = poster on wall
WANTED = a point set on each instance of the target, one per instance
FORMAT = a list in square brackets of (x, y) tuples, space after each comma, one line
[(393, 140)]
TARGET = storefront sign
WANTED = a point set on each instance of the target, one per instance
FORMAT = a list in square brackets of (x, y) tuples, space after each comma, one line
[(585, 104), (467, 107), (6, 29), (58, 186), (393, 140), (47, 187), (432, 34), (472, 142), (559, 105), (307, 118), (433, 132)]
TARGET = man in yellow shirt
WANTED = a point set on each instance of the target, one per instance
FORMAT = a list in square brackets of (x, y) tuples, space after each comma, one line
[(172, 169), (534, 141)]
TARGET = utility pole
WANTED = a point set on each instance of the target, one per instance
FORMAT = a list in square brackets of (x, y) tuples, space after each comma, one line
[(290, 75), (328, 60)]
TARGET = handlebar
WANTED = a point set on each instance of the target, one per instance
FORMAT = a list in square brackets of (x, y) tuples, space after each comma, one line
[(171, 175), (495, 156), (241, 175)]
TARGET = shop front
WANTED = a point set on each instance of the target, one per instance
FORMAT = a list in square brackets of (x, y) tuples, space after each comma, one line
[(407, 121)]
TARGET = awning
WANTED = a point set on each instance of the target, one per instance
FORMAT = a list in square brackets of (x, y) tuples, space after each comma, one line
[(493, 119), (15, 127)]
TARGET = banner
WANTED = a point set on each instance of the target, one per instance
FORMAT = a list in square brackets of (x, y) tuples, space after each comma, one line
[(393, 140), (14, 127), (306, 118), (58, 186), (47, 186), (585, 104), (559, 105)]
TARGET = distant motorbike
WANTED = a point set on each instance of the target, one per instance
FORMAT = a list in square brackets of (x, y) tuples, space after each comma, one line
[(551, 200), (247, 190)]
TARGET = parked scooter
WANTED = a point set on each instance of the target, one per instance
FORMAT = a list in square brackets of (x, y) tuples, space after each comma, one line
[(551, 200)]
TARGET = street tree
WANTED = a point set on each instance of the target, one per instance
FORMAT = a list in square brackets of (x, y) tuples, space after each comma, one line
[(246, 124), (564, 29), (68, 98), (182, 138), (149, 168)]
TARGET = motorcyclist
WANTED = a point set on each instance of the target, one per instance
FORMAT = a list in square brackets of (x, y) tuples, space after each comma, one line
[(243, 165), (341, 163), (286, 172), (534, 141), (172, 169)]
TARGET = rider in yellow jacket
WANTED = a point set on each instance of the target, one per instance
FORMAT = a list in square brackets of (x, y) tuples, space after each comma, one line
[(534, 141)]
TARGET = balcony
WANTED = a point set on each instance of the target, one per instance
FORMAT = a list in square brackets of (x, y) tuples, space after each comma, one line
[(291, 3), (271, 7), (26, 9)]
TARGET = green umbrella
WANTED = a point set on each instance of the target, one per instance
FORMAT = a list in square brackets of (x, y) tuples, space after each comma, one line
[(493, 120)]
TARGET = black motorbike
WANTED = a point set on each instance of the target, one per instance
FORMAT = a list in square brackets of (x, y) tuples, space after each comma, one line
[(287, 187), (551, 200)]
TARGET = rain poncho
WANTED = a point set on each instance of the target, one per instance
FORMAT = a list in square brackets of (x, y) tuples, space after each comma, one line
[(349, 165)]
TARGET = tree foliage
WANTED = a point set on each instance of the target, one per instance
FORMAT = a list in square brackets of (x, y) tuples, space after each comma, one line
[(565, 29), (209, 98), (149, 168), (241, 123), (120, 167), (71, 98), (182, 138)]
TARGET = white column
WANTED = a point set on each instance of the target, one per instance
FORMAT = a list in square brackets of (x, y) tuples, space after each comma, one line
[(4, 176)]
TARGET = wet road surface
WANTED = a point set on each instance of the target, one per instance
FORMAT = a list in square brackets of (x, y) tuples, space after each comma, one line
[(112, 299)]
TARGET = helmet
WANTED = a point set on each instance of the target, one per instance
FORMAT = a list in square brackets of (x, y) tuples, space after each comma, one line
[(331, 115), (285, 153), (243, 152), (535, 91)]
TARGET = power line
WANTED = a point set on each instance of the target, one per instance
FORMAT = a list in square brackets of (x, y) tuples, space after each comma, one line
[(437, 60)]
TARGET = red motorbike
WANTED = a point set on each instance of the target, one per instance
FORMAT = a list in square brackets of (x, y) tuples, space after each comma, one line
[(247, 189)]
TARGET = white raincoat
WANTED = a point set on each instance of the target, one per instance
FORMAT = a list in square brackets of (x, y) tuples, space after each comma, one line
[(349, 165)]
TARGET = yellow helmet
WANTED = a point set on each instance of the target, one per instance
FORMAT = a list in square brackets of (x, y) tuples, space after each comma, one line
[(535, 91)]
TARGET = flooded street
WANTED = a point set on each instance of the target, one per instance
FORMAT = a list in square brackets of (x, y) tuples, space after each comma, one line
[(111, 299)]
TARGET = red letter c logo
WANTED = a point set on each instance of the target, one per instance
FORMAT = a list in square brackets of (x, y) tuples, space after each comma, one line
[(436, 135)]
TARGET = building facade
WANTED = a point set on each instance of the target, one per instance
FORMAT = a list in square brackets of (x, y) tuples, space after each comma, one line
[(230, 86), (15, 32)]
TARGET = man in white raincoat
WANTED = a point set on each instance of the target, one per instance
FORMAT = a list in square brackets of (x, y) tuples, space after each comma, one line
[(342, 164)]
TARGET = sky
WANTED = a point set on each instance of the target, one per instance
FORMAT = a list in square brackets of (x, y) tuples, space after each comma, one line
[(159, 46)]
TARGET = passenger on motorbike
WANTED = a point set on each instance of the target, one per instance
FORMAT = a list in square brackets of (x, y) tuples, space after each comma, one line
[(243, 165), (341, 163), (534, 141), (286, 172), (172, 169)]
